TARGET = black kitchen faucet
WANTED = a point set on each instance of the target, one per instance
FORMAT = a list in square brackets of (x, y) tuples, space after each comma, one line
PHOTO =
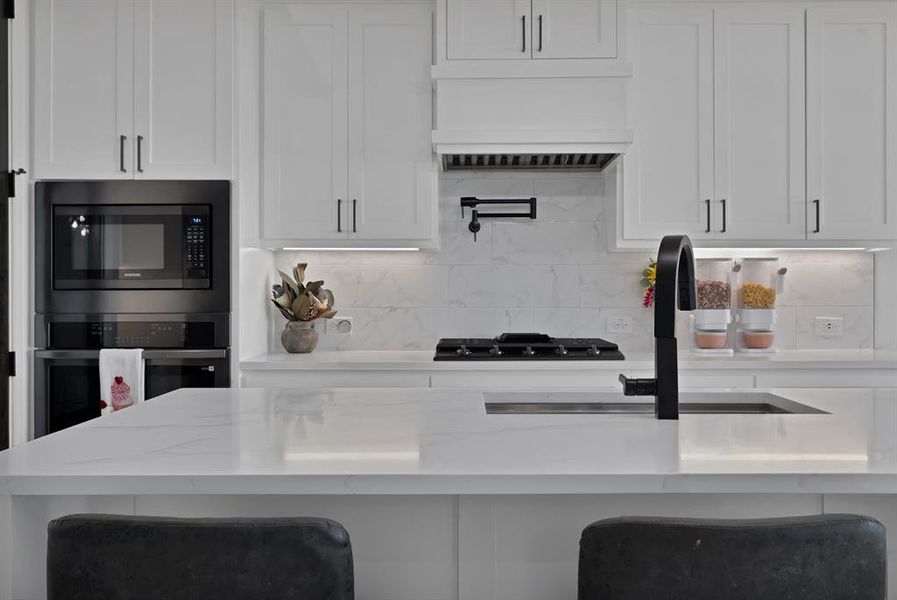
[(675, 279)]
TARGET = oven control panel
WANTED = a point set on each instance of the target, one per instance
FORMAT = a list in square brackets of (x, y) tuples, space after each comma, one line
[(196, 246), (132, 334)]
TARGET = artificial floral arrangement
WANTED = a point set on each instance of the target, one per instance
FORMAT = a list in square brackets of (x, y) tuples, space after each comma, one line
[(649, 278), (298, 301), (301, 303)]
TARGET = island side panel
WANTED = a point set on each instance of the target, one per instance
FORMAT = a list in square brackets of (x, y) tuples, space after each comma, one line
[(5, 547), (527, 547), (429, 547), (403, 547), (28, 536)]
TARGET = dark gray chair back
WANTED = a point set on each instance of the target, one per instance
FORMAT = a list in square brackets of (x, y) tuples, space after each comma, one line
[(111, 557), (824, 557)]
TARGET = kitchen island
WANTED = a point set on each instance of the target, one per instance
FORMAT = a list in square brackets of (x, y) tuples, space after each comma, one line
[(442, 500)]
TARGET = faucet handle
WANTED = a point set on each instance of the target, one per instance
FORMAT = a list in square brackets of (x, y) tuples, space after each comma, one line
[(638, 387)]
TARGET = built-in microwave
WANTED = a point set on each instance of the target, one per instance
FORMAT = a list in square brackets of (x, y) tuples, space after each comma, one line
[(132, 246)]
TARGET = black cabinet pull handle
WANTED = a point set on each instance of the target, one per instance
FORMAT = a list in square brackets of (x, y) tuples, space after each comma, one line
[(723, 201), (708, 215), (540, 33), (816, 202), (140, 154), (121, 153), (523, 30), (339, 215), (354, 215)]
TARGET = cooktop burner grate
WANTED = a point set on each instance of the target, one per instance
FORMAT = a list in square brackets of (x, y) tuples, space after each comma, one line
[(526, 346)]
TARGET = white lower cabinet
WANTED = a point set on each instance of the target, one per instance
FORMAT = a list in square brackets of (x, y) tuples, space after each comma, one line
[(761, 123), (475, 379), (130, 89), (347, 121)]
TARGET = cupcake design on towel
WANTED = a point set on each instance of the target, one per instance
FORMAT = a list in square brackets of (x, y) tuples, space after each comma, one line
[(121, 394)]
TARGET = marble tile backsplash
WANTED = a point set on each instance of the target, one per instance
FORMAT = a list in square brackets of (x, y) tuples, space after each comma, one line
[(551, 275)]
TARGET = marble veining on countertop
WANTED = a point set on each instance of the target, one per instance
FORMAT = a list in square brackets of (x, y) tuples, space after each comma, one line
[(422, 360), (418, 441)]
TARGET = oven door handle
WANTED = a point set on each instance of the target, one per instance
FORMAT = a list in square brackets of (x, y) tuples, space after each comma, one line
[(147, 354)]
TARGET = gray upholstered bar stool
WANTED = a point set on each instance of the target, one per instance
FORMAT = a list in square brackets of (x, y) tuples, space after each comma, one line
[(823, 557), (111, 557)]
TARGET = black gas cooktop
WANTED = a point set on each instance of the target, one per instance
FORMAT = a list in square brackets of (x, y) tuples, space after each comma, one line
[(526, 346)]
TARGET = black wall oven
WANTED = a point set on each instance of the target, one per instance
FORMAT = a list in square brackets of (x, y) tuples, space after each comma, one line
[(99, 242), (180, 351)]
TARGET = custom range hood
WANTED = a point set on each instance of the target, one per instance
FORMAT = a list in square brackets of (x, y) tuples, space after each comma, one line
[(513, 120)]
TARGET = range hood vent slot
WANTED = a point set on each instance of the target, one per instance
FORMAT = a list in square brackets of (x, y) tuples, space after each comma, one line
[(499, 162)]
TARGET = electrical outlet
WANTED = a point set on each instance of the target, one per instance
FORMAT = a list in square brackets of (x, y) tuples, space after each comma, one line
[(339, 325), (829, 326), (619, 325)]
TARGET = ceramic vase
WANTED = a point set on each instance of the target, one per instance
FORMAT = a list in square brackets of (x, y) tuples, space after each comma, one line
[(299, 337)]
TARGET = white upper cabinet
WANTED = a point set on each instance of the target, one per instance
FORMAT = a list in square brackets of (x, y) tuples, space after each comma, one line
[(118, 80), (304, 130), (83, 92), (484, 29), (668, 170), (759, 123), (183, 73), (851, 123), (525, 29), (347, 121), (783, 118), (574, 28), (391, 169)]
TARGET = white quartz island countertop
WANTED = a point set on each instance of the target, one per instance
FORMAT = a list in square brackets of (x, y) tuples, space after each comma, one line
[(418, 441)]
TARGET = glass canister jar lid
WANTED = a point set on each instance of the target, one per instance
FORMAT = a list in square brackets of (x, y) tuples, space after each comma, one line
[(713, 283)]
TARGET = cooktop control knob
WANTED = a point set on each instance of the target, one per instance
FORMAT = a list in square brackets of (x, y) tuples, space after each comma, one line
[(593, 350), (495, 350), (463, 351), (528, 351), (560, 350)]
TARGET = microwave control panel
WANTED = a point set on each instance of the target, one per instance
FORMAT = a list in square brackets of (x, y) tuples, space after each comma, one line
[(196, 246)]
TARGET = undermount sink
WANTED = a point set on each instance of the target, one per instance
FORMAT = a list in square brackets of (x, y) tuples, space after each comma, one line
[(694, 403)]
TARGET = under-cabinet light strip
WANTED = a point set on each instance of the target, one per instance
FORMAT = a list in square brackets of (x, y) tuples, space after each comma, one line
[(352, 249)]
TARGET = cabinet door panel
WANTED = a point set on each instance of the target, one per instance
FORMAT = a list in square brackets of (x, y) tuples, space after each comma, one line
[(83, 89), (668, 170), (484, 29), (759, 124), (391, 167), (851, 123), (574, 28), (304, 129), (183, 68)]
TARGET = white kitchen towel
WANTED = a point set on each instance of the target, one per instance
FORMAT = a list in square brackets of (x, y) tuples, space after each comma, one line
[(121, 379)]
